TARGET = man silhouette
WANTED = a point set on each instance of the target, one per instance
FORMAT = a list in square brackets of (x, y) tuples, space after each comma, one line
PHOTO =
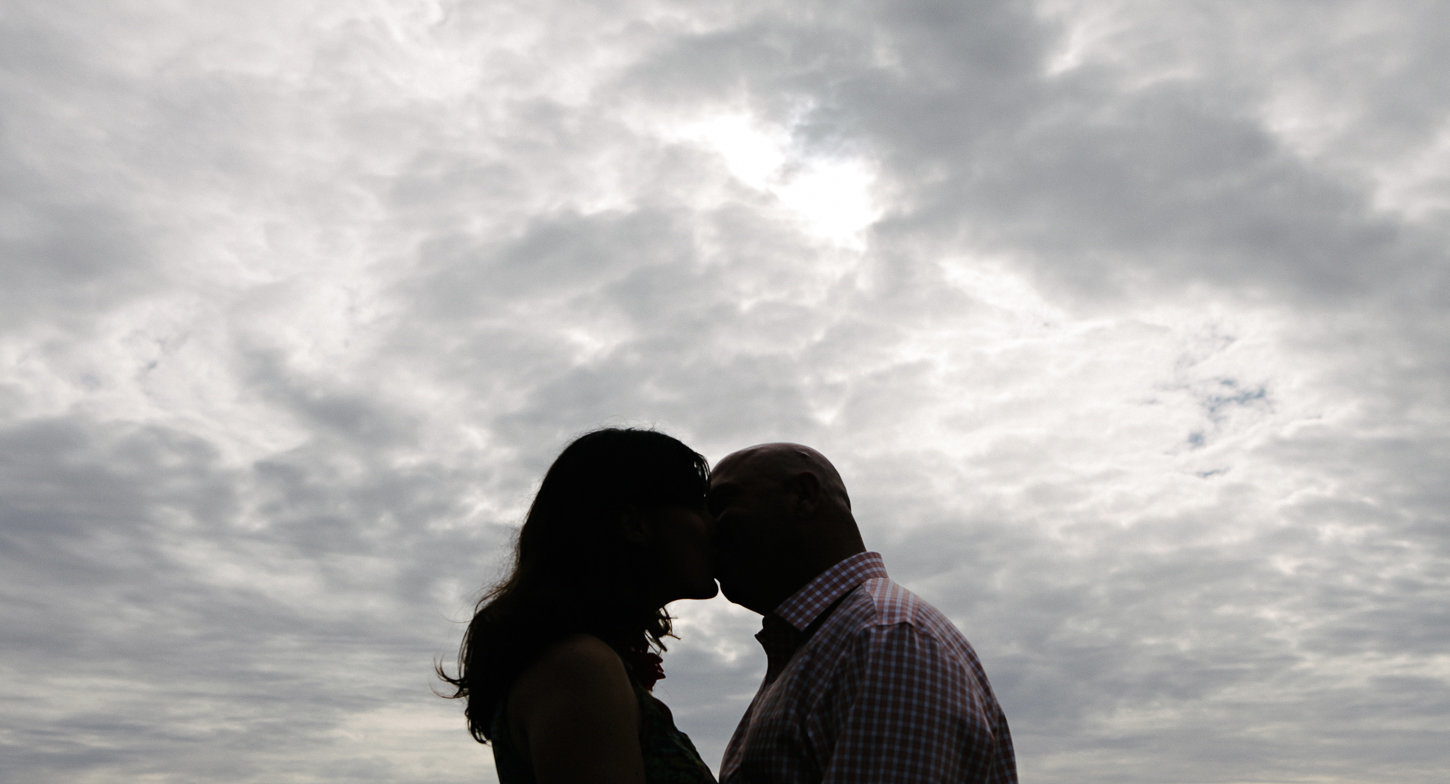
[(865, 682)]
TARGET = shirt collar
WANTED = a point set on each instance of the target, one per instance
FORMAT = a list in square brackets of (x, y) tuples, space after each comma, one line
[(803, 606)]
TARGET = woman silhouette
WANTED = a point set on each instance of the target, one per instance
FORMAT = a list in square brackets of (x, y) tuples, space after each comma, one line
[(557, 665)]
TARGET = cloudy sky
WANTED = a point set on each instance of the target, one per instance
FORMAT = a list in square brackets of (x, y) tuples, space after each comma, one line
[(1124, 320)]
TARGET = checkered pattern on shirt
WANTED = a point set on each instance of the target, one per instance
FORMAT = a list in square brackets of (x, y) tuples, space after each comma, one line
[(883, 689)]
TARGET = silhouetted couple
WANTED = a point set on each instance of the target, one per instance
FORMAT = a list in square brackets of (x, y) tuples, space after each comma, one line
[(865, 682)]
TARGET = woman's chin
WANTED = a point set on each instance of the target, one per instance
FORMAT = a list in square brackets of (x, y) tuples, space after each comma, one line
[(705, 591), (702, 591)]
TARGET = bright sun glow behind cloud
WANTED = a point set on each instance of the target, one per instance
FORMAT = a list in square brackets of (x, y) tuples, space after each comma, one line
[(830, 196)]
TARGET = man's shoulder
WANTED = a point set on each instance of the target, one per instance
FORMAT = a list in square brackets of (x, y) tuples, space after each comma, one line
[(882, 603)]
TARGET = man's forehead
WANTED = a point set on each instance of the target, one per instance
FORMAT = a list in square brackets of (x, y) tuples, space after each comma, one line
[(719, 486)]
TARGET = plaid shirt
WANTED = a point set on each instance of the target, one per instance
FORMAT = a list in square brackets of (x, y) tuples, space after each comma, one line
[(865, 682)]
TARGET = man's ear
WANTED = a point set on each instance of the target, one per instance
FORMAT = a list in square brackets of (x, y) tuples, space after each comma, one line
[(634, 525), (806, 487)]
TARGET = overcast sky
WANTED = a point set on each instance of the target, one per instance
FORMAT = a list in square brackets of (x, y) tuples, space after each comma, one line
[(1125, 322)]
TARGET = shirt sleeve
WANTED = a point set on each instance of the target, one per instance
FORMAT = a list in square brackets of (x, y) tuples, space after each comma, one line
[(905, 710)]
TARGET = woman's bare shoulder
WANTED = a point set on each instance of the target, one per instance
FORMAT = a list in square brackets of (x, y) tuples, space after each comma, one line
[(577, 664), (580, 649)]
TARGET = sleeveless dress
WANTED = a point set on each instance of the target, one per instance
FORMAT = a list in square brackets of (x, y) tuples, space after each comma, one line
[(669, 756)]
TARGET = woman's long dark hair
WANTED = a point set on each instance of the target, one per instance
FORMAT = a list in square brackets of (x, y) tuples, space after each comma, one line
[(573, 570)]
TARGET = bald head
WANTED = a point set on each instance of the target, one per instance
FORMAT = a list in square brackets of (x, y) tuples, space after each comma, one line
[(783, 516), (784, 461)]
